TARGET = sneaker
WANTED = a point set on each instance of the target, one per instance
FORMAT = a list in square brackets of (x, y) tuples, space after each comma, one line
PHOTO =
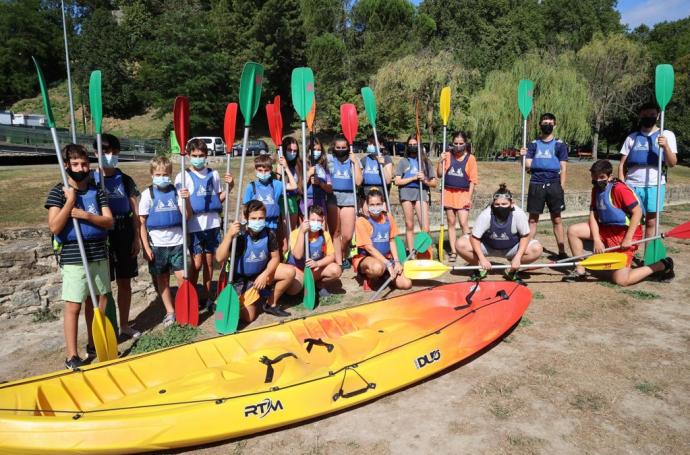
[(668, 274), (275, 311), (479, 274), (73, 363), (90, 352), (513, 276), (209, 306), (169, 319), (323, 292), (574, 277), (346, 264), (558, 257), (130, 332)]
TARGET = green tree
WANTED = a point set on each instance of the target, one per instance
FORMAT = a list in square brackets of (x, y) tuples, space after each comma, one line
[(327, 56), (495, 121), (615, 69), (575, 22)]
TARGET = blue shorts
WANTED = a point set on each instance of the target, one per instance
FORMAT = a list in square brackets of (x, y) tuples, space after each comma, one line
[(205, 241), (647, 196), (166, 259)]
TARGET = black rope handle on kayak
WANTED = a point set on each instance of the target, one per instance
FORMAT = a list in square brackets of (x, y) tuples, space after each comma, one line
[(468, 298), (341, 394), (270, 362), (311, 342)]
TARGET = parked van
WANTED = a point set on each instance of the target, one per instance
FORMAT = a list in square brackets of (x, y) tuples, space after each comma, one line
[(215, 145)]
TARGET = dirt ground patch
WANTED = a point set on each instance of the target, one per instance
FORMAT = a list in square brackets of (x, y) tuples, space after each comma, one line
[(591, 368)]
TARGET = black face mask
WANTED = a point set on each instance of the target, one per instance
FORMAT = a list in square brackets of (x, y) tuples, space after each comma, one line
[(546, 128), (647, 122), (411, 150), (600, 184), (78, 176), (340, 154), (501, 213)]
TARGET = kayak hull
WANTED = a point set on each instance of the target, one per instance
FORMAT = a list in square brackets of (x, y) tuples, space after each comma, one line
[(220, 388)]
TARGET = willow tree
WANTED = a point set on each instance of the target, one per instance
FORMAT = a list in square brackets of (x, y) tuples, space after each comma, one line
[(495, 119), (420, 77)]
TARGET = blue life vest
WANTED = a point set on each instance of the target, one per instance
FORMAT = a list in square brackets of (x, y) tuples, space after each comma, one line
[(255, 257), (380, 236), (412, 171), (115, 190), (316, 251), (293, 171), (456, 175), (320, 174), (607, 213), (499, 236), (164, 211), (342, 175), (266, 193), (87, 201), (371, 171), (545, 158), (645, 151), (204, 199)]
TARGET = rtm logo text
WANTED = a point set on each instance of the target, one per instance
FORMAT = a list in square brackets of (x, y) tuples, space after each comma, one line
[(263, 409), (433, 356)]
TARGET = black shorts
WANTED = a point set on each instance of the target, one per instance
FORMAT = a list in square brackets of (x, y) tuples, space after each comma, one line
[(549, 194), (122, 263)]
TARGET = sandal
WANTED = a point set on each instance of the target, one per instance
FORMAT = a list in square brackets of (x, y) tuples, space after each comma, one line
[(452, 257)]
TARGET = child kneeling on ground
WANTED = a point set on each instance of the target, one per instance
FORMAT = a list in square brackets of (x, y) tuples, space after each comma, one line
[(161, 230), (321, 256), (614, 220), (377, 255), (500, 230), (257, 263)]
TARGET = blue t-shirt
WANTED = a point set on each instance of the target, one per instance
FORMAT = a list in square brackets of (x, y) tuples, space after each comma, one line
[(547, 176)]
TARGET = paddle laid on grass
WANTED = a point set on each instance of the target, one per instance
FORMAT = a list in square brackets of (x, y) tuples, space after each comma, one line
[(422, 241), (426, 254), (186, 299), (425, 270), (444, 107), (663, 89), (524, 95), (104, 338), (227, 314), (229, 124), (302, 88), (682, 231), (372, 112), (96, 107), (275, 128), (350, 124)]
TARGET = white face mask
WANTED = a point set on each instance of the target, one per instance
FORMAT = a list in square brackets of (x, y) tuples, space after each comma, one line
[(110, 160)]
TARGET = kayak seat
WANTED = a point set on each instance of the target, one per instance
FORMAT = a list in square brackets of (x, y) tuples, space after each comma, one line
[(354, 347)]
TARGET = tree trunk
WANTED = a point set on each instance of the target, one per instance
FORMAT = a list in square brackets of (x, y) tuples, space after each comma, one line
[(595, 137)]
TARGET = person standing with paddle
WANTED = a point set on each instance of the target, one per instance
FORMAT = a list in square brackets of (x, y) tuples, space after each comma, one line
[(614, 220)]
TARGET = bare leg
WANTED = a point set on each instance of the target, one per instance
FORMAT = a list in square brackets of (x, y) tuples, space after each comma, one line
[(558, 231), (195, 267), (452, 238), (334, 226), (208, 273), (401, 282), (372, 268), (347, 228), (284, 281), (408, 212), (464, 220), (124, 299), (629, 276), (164, 289), (533, 220), (465, 250), (577, 233), (330, 273), (533, 252), (650, 225), (71, 326)]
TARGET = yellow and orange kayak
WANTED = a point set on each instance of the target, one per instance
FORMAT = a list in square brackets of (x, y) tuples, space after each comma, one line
[(258, 379)]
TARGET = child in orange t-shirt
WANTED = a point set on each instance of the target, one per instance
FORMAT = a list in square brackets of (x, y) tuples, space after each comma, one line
[(375, 235), (460, 169)]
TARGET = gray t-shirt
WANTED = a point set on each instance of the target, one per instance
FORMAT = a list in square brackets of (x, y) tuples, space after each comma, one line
[(411, 193), (520, 224)]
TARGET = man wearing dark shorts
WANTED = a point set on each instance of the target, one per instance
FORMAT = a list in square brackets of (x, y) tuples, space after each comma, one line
[(546, 160)]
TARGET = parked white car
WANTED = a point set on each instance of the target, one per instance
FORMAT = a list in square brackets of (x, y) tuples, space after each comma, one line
[(215, 145)]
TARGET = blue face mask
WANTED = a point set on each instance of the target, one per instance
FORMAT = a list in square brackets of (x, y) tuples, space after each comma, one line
[(161, 181), (110, 160), (371, 149), (375, 211), (290, 156), (315, 154), (315, 226), (198, 162), (256, 226), (263, 176)]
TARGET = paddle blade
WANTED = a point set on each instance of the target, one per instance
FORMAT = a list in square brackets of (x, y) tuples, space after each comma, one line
[(682, 231), (369, 105), (663, 85), (274, 124), (187, 304), (227, 314), (416, 122), (302, 87), (605, 261), (445, 105), (250, 90), (349, 122), (400, 248), (421, 269), (654, 252), (174, 146), (309, 301), (278, 113), (422, 241), (441, 251), (311, 116), (181, 122), (104, 339), (96, 101), (229, 124), (525, 92), (44, 94), (111, 312)]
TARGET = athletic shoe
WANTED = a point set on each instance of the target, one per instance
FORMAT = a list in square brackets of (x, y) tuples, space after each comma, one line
[(558, 257), (513, 276), (668, 274), (208, 306), (275, 311), (130, 332), (90, 352), (346, 264), (574, 277), (73, 363), (169, 319), (323, 292), (479, 275)]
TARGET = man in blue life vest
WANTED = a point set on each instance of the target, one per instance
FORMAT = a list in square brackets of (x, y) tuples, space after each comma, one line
[(546, 160)]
